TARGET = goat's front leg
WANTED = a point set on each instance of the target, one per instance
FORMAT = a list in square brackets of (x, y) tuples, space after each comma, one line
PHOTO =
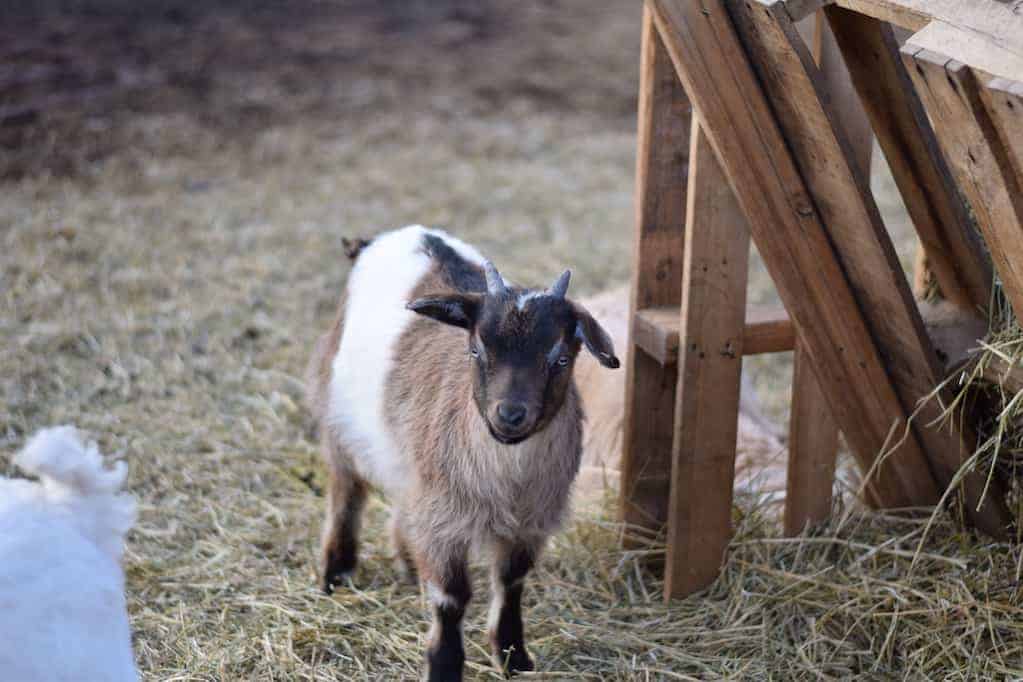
[(512, 561), (449, 590)]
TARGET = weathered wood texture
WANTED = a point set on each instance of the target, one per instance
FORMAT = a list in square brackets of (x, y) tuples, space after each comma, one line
[(841, 192), (931, 197), (795, 247), (969, 47), (813, 448), (1003, 100), (997, 22), (767, 330), (978, 158), (661, 168), (710, 367)]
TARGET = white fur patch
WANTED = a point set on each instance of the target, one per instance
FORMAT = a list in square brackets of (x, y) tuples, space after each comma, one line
[(438, 597), (379, 287), (62, 604)]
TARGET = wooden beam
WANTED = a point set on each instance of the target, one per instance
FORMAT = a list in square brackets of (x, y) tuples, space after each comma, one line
[(841, 192), (998, 23), (1003, 100), (813, 448), (661, 170), (710, 370), (837, 85), (978, 158), (796, 249), (767, 330), (930, 194), (969, 47)]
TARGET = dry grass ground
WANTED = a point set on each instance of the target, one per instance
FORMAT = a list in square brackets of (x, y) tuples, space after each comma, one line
[(170, 246)]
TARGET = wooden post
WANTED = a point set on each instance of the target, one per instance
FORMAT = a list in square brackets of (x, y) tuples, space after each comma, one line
[(978, 158), (841, 192), (921, 173), (1003, 100), (710, 368), (661, 168), (797, 250), (813, 447)]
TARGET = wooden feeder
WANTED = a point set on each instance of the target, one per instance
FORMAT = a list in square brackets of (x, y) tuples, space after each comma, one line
[(746, 131)]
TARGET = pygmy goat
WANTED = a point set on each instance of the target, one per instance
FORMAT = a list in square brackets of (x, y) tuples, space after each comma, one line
[(62, 607), (471, 427)]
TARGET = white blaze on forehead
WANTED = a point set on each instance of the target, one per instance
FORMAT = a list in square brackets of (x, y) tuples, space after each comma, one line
[(379, 287), (528, 296)]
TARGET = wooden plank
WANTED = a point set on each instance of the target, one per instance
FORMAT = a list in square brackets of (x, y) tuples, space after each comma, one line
[(932, 199), (998, 23), (837, 85), (813, 448), (767, 330), (842, 194), (978, 159), (968, 47), (796, 249), (1003, 100), (710, 370), (661, 171)]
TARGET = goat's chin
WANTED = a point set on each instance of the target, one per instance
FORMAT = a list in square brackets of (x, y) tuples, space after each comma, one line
[(505, 439)]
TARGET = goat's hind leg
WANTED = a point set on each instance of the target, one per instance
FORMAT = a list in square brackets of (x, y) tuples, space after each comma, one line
[(346, 496)]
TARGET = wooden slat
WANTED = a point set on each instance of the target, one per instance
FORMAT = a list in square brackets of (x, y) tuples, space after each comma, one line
[(999, 23), (842, 194), (837, 85), (710, 369), (924, 180), (661, 168), (813, 448), (796, 249), (978, 159), (768, 329), (966, 46), (1003, 100)]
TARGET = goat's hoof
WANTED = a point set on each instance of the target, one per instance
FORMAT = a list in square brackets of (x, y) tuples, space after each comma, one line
[(337, 572), (513, 660)]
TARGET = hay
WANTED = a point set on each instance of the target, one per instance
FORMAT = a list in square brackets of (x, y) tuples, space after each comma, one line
[(165, 269)]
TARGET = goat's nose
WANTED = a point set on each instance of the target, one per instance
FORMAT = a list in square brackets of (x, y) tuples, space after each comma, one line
[(512, 414)]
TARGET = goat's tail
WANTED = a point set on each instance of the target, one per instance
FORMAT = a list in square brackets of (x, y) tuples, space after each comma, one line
[(354, 246), (59, 458)]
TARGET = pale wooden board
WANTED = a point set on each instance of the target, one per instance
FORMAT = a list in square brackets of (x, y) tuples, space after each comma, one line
[(710, 369), (661, 170), (998, 22), (978, 159), (1003, 100), (712, 64), (921, 173), (970, 47), (813, 448), (841, 192)]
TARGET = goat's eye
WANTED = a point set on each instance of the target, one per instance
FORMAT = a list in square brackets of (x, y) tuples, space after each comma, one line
[(563, 360), (474, 351)]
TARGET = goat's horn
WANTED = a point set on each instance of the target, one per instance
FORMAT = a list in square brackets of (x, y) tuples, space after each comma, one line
[(495, 285), (560, 287)]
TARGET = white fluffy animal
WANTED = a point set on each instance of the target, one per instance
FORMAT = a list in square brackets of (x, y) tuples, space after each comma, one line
[(62, 605)]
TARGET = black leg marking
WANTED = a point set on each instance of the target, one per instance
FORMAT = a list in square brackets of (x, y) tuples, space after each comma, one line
[(507, 636), (341, 540), (445, 657)]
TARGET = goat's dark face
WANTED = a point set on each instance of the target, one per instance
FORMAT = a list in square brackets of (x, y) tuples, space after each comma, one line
[(522, 346)]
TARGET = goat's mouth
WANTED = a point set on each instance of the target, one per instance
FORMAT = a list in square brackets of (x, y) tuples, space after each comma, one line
[(508, 438)]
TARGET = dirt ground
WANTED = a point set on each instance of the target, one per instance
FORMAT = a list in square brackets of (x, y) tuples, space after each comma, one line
[(176, 178)]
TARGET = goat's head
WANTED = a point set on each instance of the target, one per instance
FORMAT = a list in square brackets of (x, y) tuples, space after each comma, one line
[(522, 346)]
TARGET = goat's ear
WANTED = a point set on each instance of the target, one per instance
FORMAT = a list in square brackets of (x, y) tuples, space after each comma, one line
[(596, 340), (458, 310)]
